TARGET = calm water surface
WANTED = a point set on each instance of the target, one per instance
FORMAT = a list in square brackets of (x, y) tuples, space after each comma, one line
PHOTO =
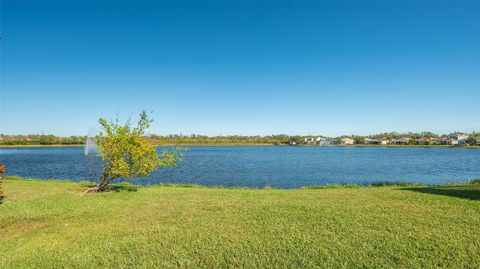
[(280, 167)]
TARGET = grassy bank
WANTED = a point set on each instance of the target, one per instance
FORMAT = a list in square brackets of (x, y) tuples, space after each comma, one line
[(50, 224)]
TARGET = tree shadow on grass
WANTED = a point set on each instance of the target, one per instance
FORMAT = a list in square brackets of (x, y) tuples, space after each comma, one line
[(92, 188), (122, 187), (1, 199), (465, 192)]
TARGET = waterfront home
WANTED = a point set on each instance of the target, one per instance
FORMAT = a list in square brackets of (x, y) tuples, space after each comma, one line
[(401, 141), (347, 141), (463, 142), (457, 139), (380, 141), (368, 141), (321, 139), (384, 141), (423, 141), (457, 136), (327, 141), (477, 140), (452, 142), (428, 141), (395, 141), (371, 141), (315, 140)]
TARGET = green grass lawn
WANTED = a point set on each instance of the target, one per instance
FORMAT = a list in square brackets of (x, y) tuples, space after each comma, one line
[(50, 224)]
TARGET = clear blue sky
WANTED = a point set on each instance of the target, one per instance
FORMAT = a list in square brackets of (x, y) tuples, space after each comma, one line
[(242, 68)]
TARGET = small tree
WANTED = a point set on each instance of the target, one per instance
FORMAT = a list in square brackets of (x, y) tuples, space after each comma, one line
[(126, 152), (359, 139), (471, 140)]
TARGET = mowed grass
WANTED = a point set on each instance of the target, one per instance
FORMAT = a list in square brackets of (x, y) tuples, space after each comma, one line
[(50, 224)]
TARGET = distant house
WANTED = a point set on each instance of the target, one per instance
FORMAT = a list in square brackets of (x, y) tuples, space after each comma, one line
[(326, 141), (374, 141), (456, 139), (423, 141), (452, 142), (347, 141), (371, 141), (428, 141), (316, 140), (457, 136), (401, 141), (321, 139), (463, 142), (384, 141), (477, 139)]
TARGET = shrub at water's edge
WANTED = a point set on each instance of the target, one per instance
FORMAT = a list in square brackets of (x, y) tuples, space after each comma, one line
[(126, 153)]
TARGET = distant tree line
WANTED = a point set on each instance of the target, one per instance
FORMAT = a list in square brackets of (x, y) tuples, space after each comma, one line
[(155, 139), (36, 139), (220, 140), (195, 139)]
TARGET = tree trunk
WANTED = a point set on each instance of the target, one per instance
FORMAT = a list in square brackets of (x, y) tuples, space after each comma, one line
[(104, 181)]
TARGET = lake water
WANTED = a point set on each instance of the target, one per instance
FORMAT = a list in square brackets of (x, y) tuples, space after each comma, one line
[(279, 167)]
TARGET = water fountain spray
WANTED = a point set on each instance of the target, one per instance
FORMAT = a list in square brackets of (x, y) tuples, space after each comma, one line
[(91, 144)]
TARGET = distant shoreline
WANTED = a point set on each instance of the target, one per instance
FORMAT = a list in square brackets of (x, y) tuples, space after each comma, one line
[(42, 146), (254, 145)]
